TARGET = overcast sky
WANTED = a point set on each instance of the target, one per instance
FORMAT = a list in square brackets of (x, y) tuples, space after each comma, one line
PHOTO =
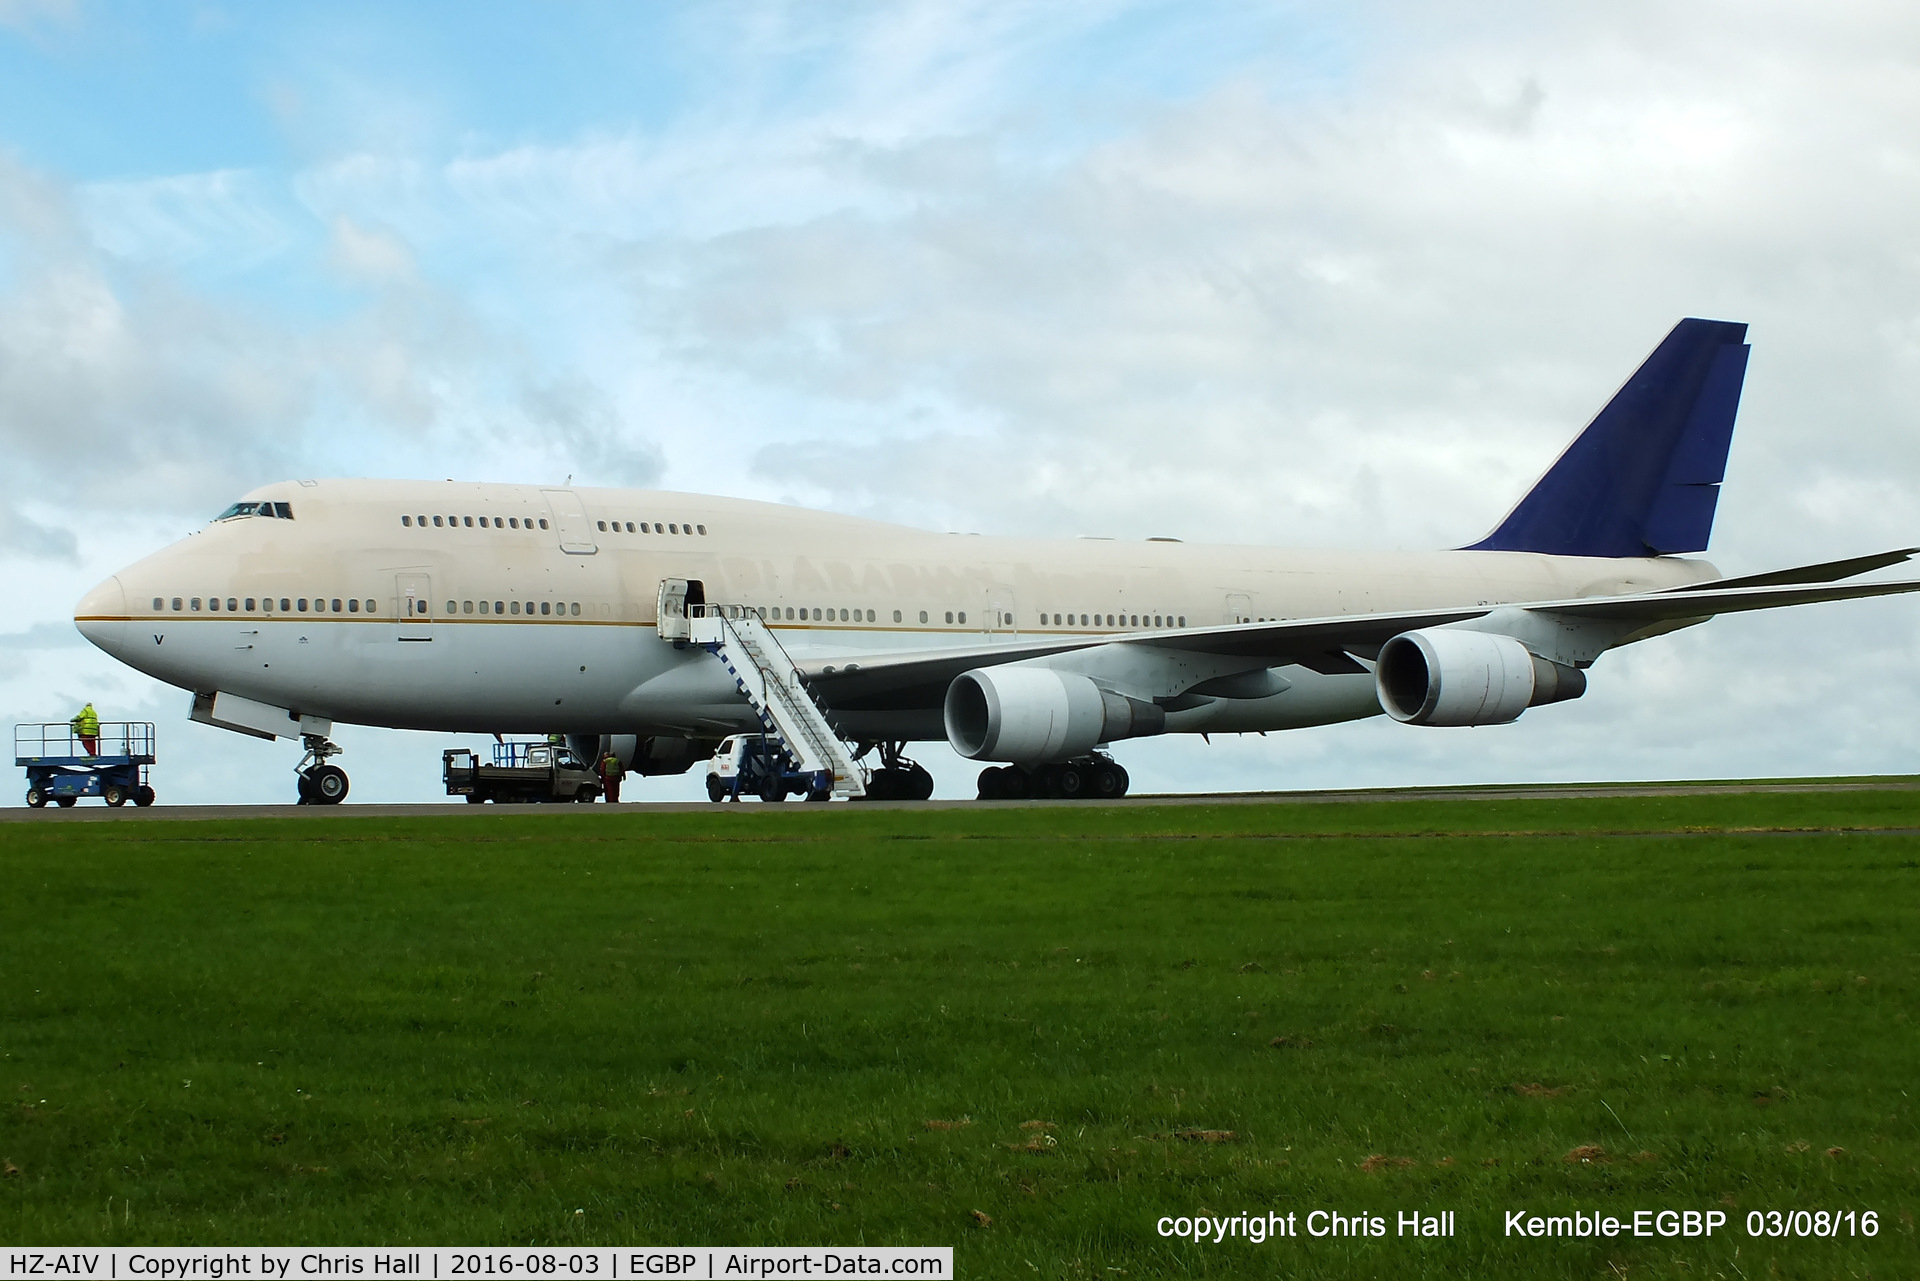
[(1324, 275)]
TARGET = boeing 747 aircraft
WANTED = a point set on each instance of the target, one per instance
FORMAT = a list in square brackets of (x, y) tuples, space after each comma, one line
[(655, 624)]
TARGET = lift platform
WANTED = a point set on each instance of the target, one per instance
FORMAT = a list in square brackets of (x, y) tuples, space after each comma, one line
[(60, 769)]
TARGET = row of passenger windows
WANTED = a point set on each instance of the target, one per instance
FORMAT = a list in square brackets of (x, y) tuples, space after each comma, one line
[(671, 527), (547, 608), (515, 522), (777, 613), (288, 605), (772, 613), (1116, 620), (494, 522), (803, 613)]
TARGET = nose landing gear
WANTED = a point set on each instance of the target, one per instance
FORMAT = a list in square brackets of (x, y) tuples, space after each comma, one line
[(319, 782)]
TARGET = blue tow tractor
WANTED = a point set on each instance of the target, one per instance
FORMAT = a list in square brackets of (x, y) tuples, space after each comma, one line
[(61, 769)]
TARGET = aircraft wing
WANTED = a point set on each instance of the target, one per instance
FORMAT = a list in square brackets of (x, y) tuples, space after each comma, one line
[(1323, 644)]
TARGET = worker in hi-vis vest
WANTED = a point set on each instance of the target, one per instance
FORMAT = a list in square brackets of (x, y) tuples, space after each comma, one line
[(611, 773), (86, 727)]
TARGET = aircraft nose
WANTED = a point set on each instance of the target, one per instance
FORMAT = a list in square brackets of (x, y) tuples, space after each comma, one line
[(101, 615)]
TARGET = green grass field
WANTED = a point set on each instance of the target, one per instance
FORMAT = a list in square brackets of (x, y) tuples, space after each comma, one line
[(1027, 1033)]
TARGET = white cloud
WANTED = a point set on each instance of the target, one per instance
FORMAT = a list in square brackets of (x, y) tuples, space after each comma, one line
[(28, 15), (369, 255)]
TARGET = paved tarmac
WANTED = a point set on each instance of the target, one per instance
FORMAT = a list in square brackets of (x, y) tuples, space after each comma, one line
[(93, 811)]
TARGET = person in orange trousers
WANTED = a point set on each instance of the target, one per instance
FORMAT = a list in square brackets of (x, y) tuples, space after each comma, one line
[(610, 776)]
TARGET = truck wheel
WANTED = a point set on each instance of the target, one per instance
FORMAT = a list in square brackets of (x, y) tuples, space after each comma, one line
[(716, 790), (36, 799), (143, 796), (474, 798), (65, 802), (114, 795), (773, 790)]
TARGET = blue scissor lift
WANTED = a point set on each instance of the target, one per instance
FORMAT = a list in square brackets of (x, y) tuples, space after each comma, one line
[(60, 769)]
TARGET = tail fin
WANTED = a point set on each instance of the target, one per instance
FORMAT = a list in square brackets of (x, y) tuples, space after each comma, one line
[(1643, 478)]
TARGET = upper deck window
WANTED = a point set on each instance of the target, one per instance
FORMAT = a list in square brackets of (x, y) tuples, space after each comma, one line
[(276, 511)]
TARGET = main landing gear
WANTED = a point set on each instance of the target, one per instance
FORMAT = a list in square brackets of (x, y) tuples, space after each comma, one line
[(1095, 778), (897, 779), (320, 783)]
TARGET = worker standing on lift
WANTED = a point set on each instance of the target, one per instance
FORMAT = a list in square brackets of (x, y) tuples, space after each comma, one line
[(86, 727), (611, 773)]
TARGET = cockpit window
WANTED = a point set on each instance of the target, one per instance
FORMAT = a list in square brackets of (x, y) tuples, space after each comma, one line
[(276, 511)]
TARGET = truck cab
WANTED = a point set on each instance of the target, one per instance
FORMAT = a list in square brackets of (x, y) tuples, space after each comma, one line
[(758, 765)]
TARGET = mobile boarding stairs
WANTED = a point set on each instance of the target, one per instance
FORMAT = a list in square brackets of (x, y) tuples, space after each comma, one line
[(768, 679)]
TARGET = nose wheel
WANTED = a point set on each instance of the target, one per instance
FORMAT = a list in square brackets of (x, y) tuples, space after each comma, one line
[(319, 782)]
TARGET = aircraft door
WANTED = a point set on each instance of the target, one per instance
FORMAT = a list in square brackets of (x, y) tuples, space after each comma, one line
[(680, 600), (570, 519), (413, 605), (1239, 608), (998, 615)]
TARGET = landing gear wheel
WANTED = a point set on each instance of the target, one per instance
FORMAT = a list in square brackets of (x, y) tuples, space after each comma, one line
[(716, 790), (65, 802), (326, 785), (919, 784), (1121, 770), (114, 795), (1069, 782), (1103, 781), (36, 799), (320, 783), (897, 779), (143, 796), (990, 789), (1017, 784)]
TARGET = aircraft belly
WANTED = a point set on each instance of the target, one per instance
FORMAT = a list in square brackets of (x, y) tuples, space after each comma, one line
[(468, 678), (689, 690)]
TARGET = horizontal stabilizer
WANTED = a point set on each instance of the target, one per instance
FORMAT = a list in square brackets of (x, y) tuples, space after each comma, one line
[(1825, 572), (1644, 478)]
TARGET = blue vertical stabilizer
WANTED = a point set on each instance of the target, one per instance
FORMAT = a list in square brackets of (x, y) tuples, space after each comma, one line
[(1643, 478)]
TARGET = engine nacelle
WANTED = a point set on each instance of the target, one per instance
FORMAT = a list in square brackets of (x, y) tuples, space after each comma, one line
[(1449, 677), (637, 755), (1032, 714)]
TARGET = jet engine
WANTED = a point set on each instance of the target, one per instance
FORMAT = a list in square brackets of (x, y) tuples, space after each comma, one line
[(1449, 677), (658, 755), (1033, 714)]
